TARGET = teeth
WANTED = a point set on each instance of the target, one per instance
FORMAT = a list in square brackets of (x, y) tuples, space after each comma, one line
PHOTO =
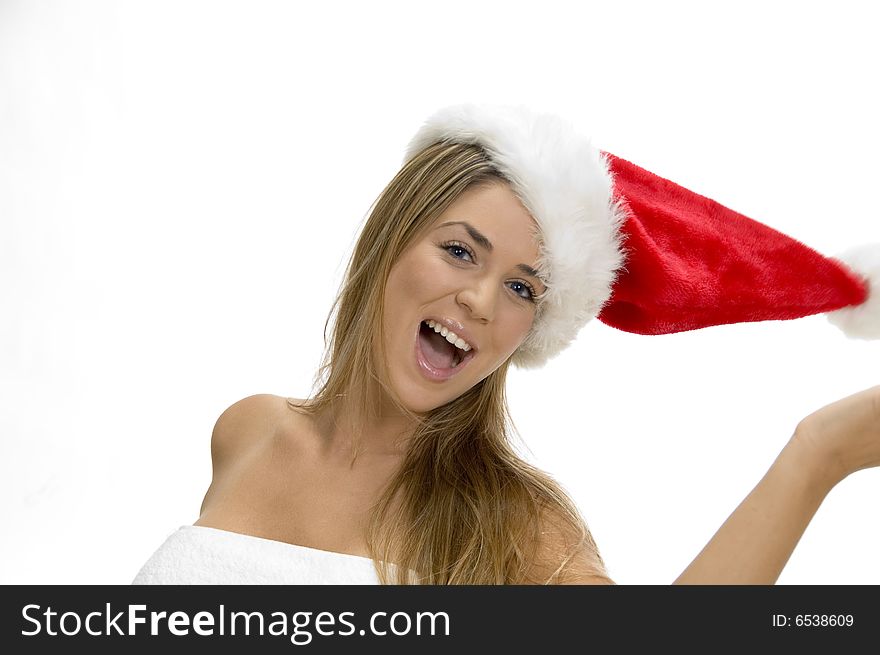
[(450, 336)]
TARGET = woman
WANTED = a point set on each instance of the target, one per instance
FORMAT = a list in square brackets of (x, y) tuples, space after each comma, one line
[(501, 236)]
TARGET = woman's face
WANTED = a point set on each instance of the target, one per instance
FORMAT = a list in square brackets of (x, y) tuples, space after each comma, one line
[(473, 274)]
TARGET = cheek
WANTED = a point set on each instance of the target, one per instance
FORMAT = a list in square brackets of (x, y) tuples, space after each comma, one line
[(411, 285), (518, 324), (421, 281)]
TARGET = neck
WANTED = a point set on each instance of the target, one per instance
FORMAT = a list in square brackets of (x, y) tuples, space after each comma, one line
[(347, 433)]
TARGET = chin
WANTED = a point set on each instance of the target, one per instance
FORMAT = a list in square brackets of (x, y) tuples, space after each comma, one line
[(424, 405), (421, 396)]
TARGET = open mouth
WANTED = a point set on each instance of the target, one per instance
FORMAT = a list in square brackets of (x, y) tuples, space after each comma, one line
[(442, 358)]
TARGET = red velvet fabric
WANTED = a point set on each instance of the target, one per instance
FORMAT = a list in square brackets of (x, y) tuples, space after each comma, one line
[(692, 263)]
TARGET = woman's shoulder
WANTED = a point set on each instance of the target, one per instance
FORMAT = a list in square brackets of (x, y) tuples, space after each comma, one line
[(565, 555), (250, 421), (245, 434)]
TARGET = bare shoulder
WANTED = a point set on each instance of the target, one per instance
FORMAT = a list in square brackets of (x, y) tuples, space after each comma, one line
[(241, 433), (246, 423), (565, 556)]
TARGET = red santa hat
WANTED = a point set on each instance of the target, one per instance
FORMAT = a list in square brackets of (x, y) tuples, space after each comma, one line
[(642, 253)]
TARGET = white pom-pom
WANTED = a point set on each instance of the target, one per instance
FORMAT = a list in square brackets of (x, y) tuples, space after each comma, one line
[(861, 321)]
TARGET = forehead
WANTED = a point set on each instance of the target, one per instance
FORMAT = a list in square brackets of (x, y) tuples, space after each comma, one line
[(497, 213)]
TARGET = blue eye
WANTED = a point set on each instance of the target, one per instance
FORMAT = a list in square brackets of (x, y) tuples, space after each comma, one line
[(458, 250), (523, 290)]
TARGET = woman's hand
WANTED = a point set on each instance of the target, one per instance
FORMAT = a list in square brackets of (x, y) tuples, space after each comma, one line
[(843, 437)]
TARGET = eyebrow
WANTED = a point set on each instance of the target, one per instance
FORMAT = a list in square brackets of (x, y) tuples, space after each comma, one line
[(476, 235), (483, 241), (528, 270)]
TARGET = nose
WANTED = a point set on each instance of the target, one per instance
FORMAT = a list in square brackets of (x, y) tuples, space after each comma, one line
[(479, 298)]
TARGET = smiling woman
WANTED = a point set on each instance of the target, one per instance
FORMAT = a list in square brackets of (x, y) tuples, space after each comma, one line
[(503, 233)]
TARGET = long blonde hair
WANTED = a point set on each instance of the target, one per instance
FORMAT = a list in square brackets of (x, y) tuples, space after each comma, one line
[(463, 508)]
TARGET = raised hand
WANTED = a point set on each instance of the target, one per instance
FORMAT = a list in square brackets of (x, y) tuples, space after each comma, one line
[(843, 436)]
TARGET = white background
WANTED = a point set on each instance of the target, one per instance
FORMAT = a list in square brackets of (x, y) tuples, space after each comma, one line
[(181, 182)]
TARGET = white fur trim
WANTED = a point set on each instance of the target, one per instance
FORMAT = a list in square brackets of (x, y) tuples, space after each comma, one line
[(565, 184), (861, 321)]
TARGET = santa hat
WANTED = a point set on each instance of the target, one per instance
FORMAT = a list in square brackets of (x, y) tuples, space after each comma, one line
[(644, 254)]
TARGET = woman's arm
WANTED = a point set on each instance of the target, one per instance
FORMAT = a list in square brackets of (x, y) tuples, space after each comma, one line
[(755, 542)]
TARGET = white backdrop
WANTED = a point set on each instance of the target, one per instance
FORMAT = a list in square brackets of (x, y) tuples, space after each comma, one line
[(180, 183)]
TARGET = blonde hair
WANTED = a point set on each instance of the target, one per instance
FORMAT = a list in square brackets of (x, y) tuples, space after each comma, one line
[(463, 508)]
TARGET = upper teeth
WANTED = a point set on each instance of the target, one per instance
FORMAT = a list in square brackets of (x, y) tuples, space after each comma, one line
[(450, 336)]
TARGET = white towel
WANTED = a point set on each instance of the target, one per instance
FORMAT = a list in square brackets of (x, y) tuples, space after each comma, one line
[(195, 554)]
